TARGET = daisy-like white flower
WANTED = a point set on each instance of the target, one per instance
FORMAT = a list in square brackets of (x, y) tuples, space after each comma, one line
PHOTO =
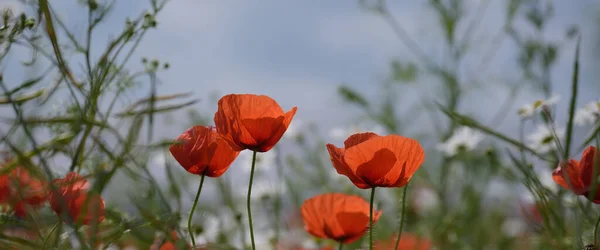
[(529, 110), (464, 139), (341, 133), (588, 115), (542, 139)]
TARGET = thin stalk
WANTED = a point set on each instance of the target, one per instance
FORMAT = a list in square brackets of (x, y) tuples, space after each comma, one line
[(341, 246), (371, 218), (402, 216), (248, 200), (596, 230), (49, 234), (192, 212)]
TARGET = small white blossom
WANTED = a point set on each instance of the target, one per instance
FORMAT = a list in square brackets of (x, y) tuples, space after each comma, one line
[(463, 139), (529, 110), (340, 133), (588, 115), (542, 140)]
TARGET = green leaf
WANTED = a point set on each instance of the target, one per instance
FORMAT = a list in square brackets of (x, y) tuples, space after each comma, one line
[(403, 72), (351, 96), (574, 84), (472, 123)]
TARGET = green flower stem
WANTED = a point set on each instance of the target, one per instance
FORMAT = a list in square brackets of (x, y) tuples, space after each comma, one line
[(49, 234), (596, 231), (192, 212), (341, 245), (371, 219), (402, 216), (248, 200)]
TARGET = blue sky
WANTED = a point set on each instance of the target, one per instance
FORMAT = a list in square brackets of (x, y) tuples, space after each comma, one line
[(298, 52)]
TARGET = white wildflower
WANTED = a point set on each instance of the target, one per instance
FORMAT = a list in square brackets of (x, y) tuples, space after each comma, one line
[(529, 110), (463, 139), (542, 140), (588, 115)]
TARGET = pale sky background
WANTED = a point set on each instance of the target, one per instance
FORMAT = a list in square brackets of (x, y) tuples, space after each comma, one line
[(298, 52)]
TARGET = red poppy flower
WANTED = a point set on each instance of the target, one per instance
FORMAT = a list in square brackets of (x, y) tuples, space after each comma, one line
[(254, 122), (203, 152), (580, 174), (337, 216), (73, 191), (408, 241), (21, 191), (370, 160)]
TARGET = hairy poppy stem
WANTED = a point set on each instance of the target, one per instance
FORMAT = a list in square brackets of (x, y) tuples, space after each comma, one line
[(192, 212), (49, 234), (596, 230), (371, 219), (402, 216), (341, 245), (248, 200)]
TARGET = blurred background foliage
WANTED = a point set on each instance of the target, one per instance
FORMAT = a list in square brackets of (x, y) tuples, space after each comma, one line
[(480, 188)]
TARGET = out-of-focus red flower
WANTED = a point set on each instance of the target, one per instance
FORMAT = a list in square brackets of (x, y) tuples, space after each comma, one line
[(169, 243), (370, 160), (408, 241), (580, 174), (337, 216), (530, 211), (80, 205), (203, 152), (254, 122), (21, 191)]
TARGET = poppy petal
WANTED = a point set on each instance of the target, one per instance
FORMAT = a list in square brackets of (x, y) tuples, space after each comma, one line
[(335, 155), (358, 138), (589, 159), (276, 136), (375, 154), (574, 183)]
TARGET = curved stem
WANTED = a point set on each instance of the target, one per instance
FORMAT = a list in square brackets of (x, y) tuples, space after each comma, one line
[(248, 200), (341, 245), (371, 218), (192, 212), (596, 230), (49, 234), (402, 216)]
